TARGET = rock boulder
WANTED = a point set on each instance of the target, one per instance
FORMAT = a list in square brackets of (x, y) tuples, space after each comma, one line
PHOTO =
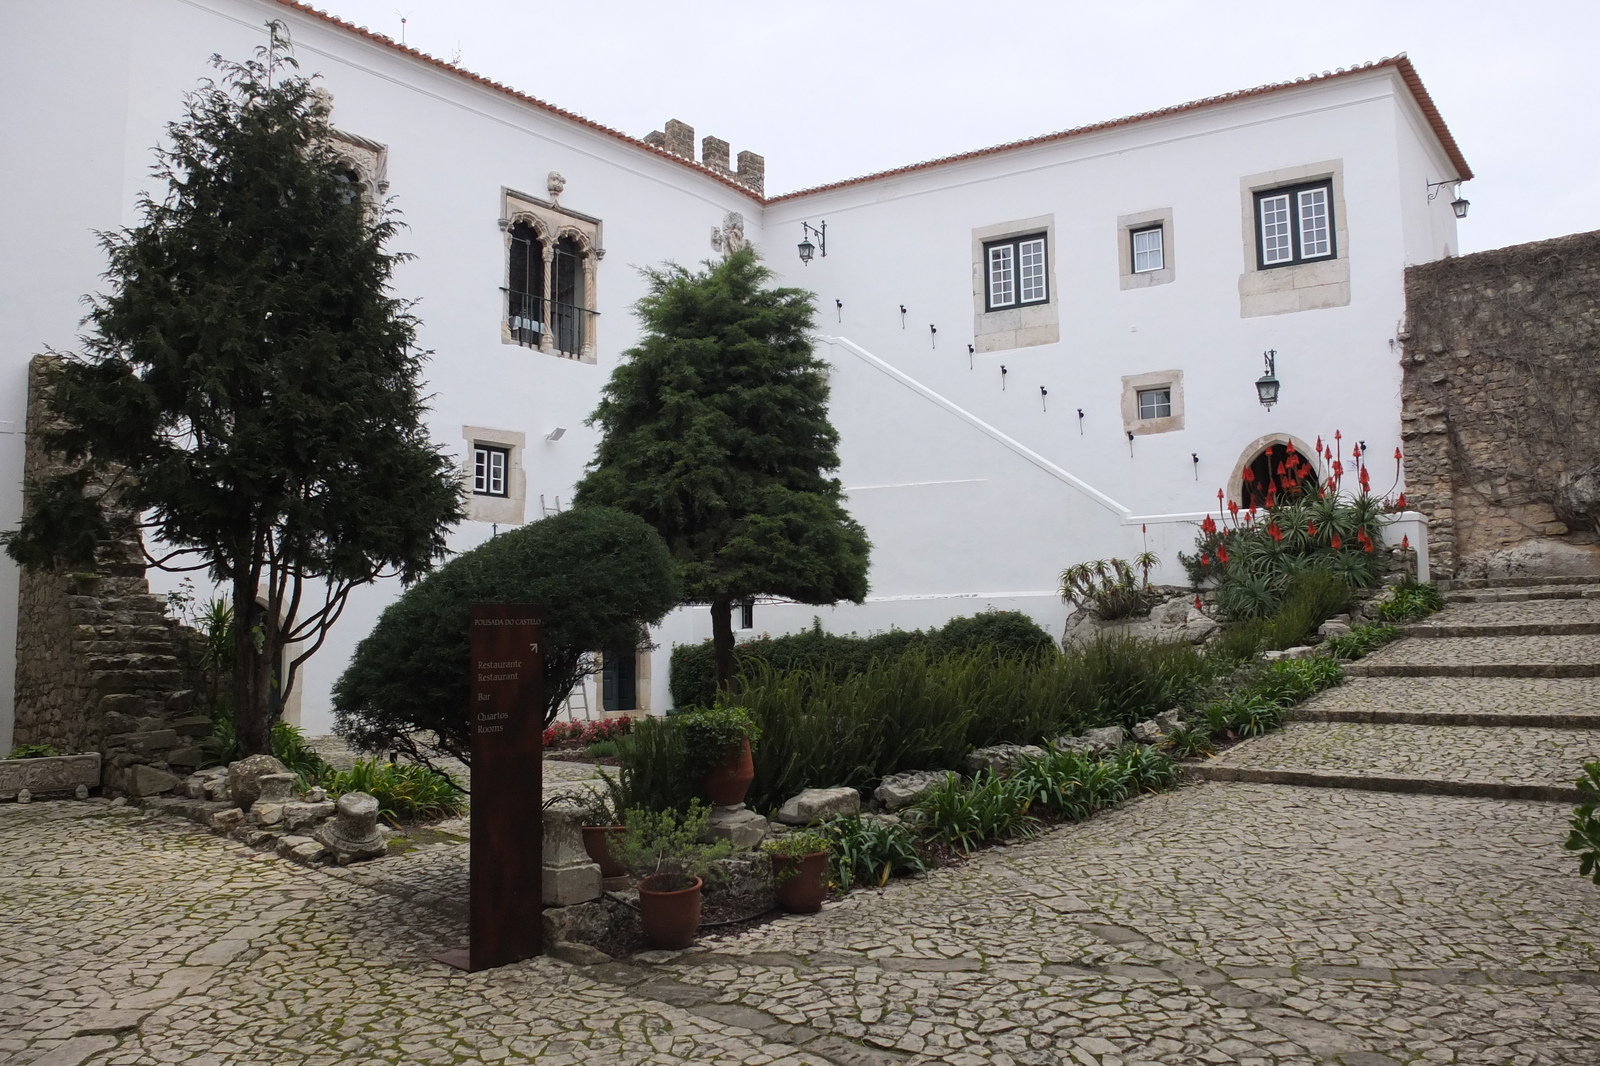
[(816, 804), (244, 778), (902, 790)]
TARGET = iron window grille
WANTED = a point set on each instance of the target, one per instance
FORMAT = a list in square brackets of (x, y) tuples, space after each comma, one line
[(1295, 224), (490, 470), (1016, 272), (535, 319)]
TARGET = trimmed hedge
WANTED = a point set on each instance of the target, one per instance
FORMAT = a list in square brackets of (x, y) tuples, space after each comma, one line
[(1007, 633)]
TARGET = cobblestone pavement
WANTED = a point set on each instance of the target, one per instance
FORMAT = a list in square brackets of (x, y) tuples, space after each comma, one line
[(1481, 651), (1454, 695), (1262, 925), (1456, 753)]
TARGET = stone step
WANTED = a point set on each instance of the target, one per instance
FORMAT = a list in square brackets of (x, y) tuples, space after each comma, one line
[(1445, 701), (1522, 582), (1448, 760), (1502, 629), (1589, 591), (1485, 656)]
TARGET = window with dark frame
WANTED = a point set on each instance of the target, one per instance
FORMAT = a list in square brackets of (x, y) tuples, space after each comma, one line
[(747, 614), (525, 287), (1294, 224), (490, 470), (1149, 251), (1155, 403), (1016, 272)]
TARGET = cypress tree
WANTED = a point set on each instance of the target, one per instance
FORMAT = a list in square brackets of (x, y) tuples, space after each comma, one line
[(716, 432)]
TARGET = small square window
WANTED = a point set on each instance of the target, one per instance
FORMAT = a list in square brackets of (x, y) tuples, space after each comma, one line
[(1016, 272), (1148, 253), (489, 467), (1295, 225), (1155, 403)]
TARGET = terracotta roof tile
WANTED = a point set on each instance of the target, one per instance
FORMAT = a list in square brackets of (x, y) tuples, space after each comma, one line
[(1400, 63)]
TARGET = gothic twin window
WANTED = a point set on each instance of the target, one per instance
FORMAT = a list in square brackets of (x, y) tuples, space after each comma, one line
[(550, 281)]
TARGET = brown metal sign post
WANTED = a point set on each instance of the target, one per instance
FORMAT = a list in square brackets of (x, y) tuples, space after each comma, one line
[(507, 716)]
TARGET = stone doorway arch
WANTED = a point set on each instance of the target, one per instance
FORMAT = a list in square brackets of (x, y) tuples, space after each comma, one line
[(1262, 454)]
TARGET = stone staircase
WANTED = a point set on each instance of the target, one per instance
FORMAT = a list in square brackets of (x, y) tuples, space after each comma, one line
[(1497, 696)]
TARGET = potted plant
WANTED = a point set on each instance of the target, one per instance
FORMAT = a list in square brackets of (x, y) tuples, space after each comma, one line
[(799, 870), (600, 814), (719, 741), (664, 850)]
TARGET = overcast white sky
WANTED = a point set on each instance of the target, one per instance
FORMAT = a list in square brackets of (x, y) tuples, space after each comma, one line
[(829, 89)]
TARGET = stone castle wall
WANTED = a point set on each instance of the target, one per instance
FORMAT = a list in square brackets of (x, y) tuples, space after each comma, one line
[(1501, 406), (100, 664)]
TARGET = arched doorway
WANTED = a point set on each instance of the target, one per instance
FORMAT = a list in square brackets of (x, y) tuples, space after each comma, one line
[(1275, 465)]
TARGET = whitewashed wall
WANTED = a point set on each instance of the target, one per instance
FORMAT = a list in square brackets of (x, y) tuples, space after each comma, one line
[(975, 498)]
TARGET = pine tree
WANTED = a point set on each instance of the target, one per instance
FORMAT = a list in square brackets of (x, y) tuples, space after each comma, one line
[(250, 388), (716, 432)]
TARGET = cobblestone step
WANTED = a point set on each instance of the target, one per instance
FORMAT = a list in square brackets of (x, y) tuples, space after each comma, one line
[(1521, 595), (1561, 655), (1502, 629), (1448, 760), (1556, 703), (1522, 582)]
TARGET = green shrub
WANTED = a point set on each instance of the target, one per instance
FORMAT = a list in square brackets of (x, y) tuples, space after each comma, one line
[(1109, 586), (1240, 641), (1288, 681), (1244, 714), (1146, 768), (1360, 641), (654, 772), (289, 746), (709, 732), (1118, 680), (869, 852), (1585, 835), (669, 842), (1006, 633), (1188, 743), (965, 815), (598, 575), (601, 749), (34, 751), (1310, 599), (1410, 600), (404, 791)]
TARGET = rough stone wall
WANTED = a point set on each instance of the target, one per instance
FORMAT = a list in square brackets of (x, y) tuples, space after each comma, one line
[(100, 665), (1501, 403)]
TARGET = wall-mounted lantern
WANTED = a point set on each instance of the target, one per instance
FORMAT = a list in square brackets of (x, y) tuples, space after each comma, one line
[(1267, 384), (1459, 205), (806, 247)]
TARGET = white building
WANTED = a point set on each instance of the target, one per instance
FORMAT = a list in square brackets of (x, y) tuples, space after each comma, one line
[(1037, 348)]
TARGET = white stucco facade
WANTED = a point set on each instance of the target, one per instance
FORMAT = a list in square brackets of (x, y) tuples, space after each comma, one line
[(974, 495)]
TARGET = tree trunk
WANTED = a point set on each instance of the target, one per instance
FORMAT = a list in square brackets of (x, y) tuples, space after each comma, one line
[(252, 676), (722, 643)]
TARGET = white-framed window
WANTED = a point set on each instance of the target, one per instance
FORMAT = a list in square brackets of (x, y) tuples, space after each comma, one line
[(1149, 252), (490, 466), (1294, 225), (1016, 272), (1155, 403)]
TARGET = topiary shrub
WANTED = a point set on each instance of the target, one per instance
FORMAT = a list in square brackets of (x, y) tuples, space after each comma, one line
[(599, 576)]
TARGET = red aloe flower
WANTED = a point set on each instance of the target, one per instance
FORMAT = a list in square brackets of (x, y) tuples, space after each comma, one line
[(1401, 501), (1338, 468), (1367, 547), (1397, 455), (1233, 508), (1405, 543), (1319, 444), (1208, 525), (1205, 560), (1248, 476), (1311, 529), (1222, 553), (1337, 435), (1335, 544), (1197, 603), (1273, 531)]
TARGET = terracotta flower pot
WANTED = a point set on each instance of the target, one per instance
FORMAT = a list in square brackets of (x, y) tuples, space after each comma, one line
[(597, 842), (800, 882), (671, 916), (726, 785)]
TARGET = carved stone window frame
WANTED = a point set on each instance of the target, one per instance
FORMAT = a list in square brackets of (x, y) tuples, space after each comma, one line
[(370, 162), (511, 508), (550, 223), (1134, 384)]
